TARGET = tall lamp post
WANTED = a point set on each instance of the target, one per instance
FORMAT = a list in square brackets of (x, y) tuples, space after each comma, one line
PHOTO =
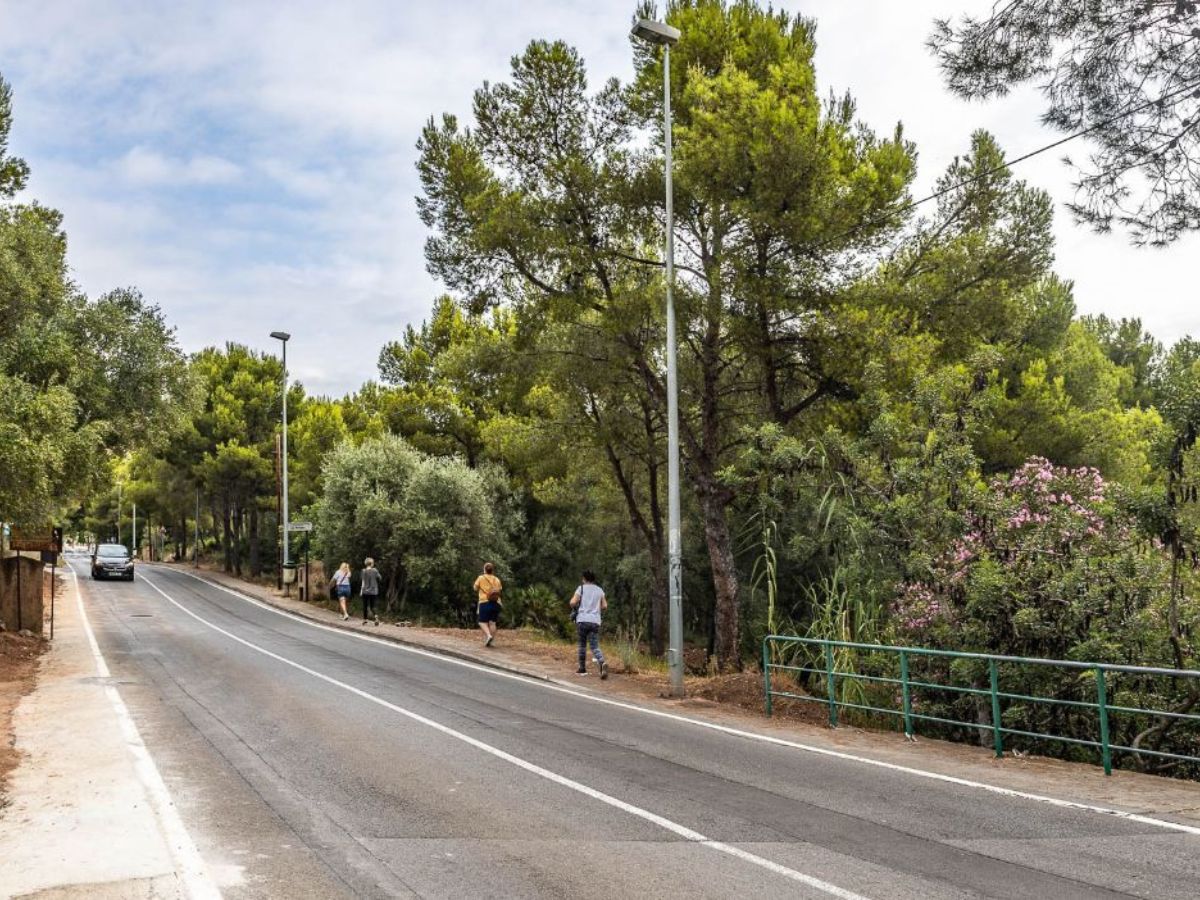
[(663, 35), (284, 337)]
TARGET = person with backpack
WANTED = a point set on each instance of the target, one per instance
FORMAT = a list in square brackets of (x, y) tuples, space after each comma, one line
[(588, 603), (488, 588), (370, 591), (342, 587)]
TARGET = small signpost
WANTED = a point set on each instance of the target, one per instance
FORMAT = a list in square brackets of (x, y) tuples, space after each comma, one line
[(48, 543), (306, 528)]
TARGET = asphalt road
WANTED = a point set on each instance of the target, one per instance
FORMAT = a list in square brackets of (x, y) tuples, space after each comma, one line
[(311, 763)]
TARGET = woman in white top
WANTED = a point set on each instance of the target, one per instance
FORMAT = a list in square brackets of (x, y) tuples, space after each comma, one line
[(589, 601), (341, 583)]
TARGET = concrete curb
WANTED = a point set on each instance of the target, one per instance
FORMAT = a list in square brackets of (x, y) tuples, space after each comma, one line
[(390, 636)]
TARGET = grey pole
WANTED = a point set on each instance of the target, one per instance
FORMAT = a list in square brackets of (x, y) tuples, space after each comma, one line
[(196, 541), (287, 558), (119, 485), (666, 35), (284, 336), (133, 548), (675, 563)]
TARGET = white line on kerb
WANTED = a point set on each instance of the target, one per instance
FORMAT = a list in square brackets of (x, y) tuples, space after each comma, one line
[(724, 729), (188, 865), (674, 827)]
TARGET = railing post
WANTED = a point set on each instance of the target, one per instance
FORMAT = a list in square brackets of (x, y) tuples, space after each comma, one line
[(1102, 706), (997, 734), (829, 686), (905, 692), (767, 675)]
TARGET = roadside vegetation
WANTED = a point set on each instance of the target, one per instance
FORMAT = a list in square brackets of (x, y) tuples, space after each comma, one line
[(895, 426)]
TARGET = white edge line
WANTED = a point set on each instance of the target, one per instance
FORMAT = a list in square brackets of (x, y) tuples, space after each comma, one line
[(724, 729), (189, 866), (682, 831)]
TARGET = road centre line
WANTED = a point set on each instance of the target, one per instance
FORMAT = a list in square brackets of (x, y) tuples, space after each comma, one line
[(682, 831), (188, 863), (724, 729)]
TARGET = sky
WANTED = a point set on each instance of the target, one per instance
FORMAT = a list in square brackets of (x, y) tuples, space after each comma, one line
[(250, 166)]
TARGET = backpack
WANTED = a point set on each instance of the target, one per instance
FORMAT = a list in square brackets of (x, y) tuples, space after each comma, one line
[(494, 594)]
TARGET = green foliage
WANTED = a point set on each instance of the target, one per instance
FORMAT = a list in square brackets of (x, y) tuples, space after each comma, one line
[(1048, 567), (1123, 75), (81, 381), (429, 523)]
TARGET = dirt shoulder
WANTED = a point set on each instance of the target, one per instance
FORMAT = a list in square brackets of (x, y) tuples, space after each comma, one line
[(19, 655), (736, 701)]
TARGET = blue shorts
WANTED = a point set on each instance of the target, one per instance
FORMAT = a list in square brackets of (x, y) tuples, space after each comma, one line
[(489, 611), (343, 590)]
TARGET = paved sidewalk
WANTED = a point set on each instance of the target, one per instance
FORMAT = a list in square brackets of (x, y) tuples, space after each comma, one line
[(84, 820), (1128, 792)]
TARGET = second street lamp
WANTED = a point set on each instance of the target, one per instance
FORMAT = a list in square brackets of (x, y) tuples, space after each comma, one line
[(664, 35), (284, 337)]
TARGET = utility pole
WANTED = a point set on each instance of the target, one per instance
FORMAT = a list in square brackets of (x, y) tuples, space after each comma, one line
[(196, 541), (119, 486), (133, 548), (661, 34), (284, 337)]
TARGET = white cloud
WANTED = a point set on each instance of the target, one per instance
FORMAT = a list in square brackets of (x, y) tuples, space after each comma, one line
[(145, 167), (293, 128)]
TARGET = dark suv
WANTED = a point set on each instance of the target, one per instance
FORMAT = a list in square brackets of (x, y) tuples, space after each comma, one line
[(112, 561)]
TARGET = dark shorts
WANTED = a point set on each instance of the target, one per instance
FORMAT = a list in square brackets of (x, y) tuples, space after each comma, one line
[(343, 590), (489, 611)]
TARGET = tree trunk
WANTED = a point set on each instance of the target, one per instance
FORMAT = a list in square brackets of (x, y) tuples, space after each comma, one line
[(236, 542), (227, 536), (659, 601), (255, 562), (725, 580)]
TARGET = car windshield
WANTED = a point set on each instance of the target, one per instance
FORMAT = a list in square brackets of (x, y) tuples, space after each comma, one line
[(116, 550)]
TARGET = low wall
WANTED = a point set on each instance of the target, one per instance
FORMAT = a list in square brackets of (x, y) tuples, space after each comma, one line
[(25, 611)]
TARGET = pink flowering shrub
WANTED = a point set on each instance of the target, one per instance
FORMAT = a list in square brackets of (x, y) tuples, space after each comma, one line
[(1048, 565)]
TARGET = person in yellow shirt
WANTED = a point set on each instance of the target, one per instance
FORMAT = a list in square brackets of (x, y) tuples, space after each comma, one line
[(488, 587)]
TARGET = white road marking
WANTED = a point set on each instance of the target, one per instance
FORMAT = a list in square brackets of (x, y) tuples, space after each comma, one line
[(188, 864), (724, 729), (674, 827)]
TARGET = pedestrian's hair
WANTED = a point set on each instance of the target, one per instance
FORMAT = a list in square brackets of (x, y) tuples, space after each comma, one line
[(488, 568), (344, 565), (368, 562), (589, 576)]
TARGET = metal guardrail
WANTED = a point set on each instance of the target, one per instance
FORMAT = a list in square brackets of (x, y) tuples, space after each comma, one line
[(825, 653)]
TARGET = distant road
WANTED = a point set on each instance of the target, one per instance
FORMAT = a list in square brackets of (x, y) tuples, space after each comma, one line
[(309, 763)]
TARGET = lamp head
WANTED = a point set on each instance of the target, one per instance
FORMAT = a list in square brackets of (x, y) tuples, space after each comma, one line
[(655, 32), (280, 335)]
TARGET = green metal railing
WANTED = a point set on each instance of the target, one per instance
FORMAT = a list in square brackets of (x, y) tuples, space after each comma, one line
[(820, 660)]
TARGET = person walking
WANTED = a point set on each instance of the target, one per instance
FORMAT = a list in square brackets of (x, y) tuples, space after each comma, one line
[(341, 585), (488, 588), (370, 591), (589, 602)]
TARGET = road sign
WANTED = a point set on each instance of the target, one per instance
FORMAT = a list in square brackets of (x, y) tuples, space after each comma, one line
[(47, 541), (300, 526)]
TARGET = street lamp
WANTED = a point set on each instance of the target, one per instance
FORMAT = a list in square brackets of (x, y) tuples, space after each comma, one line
[(662, 34), (284, 337)]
